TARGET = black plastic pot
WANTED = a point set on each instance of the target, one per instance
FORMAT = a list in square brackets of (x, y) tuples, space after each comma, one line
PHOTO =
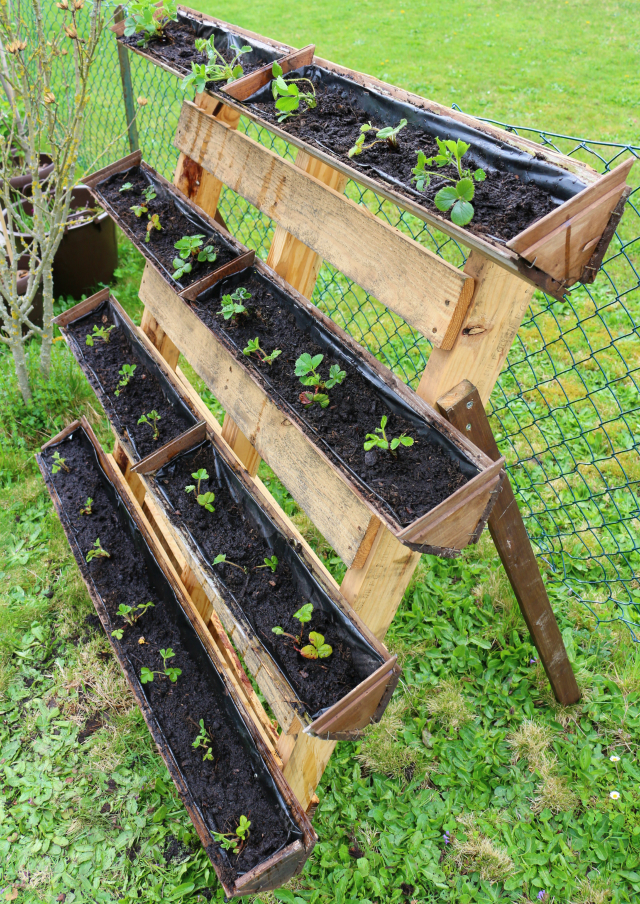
[(22, 183)]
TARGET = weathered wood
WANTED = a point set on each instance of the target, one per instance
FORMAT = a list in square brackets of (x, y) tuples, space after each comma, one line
[(235, 266), (562, 242), (595, 261), (494, 316), (159, 339), (235, 438), (161, 456), (247, 85), (81, 309), (463, 407), (422, 288), (305, 766)]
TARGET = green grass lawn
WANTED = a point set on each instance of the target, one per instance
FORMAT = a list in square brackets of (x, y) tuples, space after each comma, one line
[(476, 787)]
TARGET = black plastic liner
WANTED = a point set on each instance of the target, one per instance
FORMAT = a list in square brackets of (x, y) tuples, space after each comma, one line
[(173, 197), (141, 355), (486, 152), (327, 340), (365, 658), (194, 646)]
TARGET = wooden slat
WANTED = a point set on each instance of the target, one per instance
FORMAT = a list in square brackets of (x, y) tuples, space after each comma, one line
[(463, 406), (161, 456), (358, 707), (235, 266), (305, 766), (419, 286), (235, 438), (159, 339), (500, 302), (247, 85), (81, 309)]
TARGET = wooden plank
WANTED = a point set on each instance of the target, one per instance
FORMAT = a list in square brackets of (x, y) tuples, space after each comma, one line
[(595, 261), (159, 339), (247, 85), (358, 708), (463, 407), (494, 316), (120, 166), (235, 438), (341, 516), (403, 275), (81, 309), (305, 766), (235, 266), (161, 456)]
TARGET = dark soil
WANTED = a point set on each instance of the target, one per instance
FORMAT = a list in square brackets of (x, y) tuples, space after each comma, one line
[(177, 49), (504, 205), (142, 394), (175, 225), (267, 598), (228, 787), (413, 481)]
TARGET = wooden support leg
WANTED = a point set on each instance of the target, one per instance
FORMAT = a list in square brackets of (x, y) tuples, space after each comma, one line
[(305, 766), (463, 407), (493, 318), (159, 338)]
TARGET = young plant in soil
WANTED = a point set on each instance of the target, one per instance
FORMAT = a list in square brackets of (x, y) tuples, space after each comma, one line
[(389, 135), (126, 372), (232, 304), (130, 614), (307, 369), (316, 648), (146, 675), (97, 552), (151, 418), (381, 441), (234, 842), (126, 187), (216, 69), (457, 197), (221, 559), (271, 563), (154, 223), (59, 464), (189, 247), (99, 334), (204, 740), (87, 508), (206, 500), (146, 18), (253, 348), (287, 95), (148, 194)]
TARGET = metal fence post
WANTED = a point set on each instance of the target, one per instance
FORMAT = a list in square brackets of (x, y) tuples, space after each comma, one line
[(127, 88)]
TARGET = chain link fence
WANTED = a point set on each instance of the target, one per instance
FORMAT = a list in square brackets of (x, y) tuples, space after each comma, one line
[(566, 410)]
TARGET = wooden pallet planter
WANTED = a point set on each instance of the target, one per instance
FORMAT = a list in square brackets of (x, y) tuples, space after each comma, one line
[(368, 699), (565, 246), (199, 222), (195, 646), (328, 492)]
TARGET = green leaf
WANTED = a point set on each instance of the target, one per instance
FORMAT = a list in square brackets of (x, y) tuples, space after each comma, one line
[(363, 865), (465, 189), (479, 175), (185, 889), (461, 213), (276, 69), (160, 813), (446, 198)]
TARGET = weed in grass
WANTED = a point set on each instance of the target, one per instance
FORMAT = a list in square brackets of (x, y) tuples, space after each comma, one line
[(383, 750), (553, 793), (530, 741), (479, 854), (448, 706), (593, 889)]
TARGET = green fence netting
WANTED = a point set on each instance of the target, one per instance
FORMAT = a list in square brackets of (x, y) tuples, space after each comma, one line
[(566, 410)]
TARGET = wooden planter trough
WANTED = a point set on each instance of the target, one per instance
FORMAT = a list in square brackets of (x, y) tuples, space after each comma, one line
[(336, 499), (200, 660), (565, 246), (366, 702), (199, 223)]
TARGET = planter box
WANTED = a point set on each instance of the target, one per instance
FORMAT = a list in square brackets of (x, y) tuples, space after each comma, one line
[(231, 255), (567, 209), (250, 605), (160, 390), (345, 509), (175, 58), (137, 564)]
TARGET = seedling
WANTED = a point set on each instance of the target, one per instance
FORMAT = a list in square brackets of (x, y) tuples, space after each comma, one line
[(389, 135), (457, 197), (126, 372), (253, 348), (316, 648), (216, 69), (87, 508), (97, 552), (234, 842), (189, 248), (307, 370), (221, 559), (287, 95), (139, 209), (99, 334), (151, 419), (149, 194), (126, 187), (147, 20), (59, 464), (271, 563), (131, 614), (154, 223), (206, 500), (232, 304), (204, 740), (381, 441), (146, 675)]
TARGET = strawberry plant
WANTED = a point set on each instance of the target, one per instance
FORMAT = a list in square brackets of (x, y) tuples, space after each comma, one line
[(455, 198)]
